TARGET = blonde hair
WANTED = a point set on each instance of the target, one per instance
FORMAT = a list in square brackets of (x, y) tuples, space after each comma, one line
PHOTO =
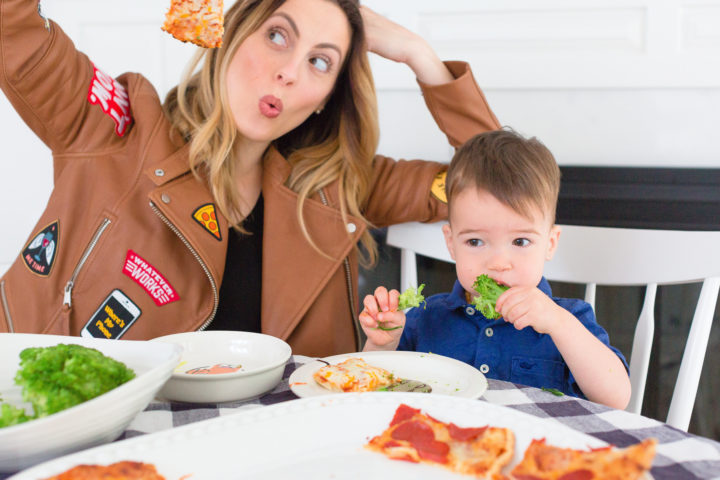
[(336, 145), (519, 172)]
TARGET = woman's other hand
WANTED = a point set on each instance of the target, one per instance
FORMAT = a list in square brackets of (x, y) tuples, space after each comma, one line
[(395, 42)]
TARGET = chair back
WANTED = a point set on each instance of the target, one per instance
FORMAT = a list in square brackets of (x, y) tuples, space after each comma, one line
[(616, 257)]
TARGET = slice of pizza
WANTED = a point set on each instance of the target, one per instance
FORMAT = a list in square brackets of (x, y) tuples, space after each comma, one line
[(416, 437), (125, 470), (353, 375), (196, 21), (547, 462)]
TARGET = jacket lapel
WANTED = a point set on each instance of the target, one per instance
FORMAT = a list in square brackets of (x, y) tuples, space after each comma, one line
[(294, 273)]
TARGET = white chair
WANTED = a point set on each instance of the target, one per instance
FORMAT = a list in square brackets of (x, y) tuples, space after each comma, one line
[(618, 257)]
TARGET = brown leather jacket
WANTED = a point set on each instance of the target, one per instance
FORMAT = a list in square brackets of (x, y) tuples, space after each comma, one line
[(126, 213)]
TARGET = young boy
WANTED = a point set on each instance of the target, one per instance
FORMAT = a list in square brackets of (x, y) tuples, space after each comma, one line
[(502, 191)]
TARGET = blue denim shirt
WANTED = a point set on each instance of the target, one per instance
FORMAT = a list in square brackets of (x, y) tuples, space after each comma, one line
[(451, 327)]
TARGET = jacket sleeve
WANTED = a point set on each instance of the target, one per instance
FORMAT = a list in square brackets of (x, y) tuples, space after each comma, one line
[(50, 83), (403, 190)]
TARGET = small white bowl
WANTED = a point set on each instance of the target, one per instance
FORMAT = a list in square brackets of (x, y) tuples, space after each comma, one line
[(223, 366)]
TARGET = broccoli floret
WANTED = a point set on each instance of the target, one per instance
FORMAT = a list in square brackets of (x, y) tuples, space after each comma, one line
[(59, 377), (10, 415), (488, 292), (411, 298)]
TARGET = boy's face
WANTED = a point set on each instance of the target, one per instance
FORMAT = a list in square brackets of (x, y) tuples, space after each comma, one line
[(485, 236)]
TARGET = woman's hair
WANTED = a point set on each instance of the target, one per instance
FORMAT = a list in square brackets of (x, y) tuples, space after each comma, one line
[(337, 144), (519, 172)]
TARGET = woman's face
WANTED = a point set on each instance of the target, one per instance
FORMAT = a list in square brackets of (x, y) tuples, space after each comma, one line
[(286, 70)]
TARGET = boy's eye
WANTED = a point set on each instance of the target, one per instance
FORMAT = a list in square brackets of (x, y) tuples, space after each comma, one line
[(321, 63), (276, 37), (475, 242), (521, 242)]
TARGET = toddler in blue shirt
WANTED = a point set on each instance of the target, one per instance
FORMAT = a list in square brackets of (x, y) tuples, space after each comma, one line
[(502, 192)]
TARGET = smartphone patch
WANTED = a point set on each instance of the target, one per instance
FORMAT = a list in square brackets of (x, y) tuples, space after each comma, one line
[(113, 317)]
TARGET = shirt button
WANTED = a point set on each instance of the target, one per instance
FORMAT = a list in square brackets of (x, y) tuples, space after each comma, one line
[(351, 227), (489, 332), (484, 368), (165, 198), (159, 172), (470, 310)]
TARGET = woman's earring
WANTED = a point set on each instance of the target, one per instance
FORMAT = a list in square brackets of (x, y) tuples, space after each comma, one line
[(319, 111)]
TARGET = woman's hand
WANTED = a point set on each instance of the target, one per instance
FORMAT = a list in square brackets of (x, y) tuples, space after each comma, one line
[(381, 321), (395, 42)]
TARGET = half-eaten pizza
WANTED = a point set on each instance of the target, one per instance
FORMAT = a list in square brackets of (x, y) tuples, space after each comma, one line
[(353, 375), (416, 437), (196, 21), (546, 462), (125, 470)]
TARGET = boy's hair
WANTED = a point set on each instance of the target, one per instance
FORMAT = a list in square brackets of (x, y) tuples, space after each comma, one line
[(519, 172)]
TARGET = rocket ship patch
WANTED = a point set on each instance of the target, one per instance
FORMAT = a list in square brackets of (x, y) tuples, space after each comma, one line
[(40, 253)]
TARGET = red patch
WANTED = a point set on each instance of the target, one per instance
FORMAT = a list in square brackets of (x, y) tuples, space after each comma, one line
[(112, 98), (149, 279)]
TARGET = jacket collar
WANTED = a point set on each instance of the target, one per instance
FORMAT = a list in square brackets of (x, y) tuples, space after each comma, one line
[(294, 273)]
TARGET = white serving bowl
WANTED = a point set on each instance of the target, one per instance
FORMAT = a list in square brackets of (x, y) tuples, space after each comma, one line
[(90, 423), (254, 363)]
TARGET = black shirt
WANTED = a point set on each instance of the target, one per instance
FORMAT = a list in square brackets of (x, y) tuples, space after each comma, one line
[(239, 307)]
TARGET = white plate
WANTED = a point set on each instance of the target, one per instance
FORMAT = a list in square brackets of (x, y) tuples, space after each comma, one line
[(96, 421), (259, 361), (445, 375), (311, 438)]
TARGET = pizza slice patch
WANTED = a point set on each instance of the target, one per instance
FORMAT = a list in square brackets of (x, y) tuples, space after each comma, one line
[(205, 216)]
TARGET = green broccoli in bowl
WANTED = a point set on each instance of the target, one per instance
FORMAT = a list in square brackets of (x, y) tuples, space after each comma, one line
[(62, 376)]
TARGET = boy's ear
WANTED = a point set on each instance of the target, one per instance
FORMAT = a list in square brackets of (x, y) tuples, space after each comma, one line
[(447, 232), (553, 240)]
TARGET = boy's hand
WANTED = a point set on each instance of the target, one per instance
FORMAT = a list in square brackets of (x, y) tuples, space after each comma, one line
[(529, 307), (381, 321)]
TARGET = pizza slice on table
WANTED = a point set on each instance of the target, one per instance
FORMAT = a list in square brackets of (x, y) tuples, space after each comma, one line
[(196, 21), (353, 375), (416, 437), (547, 462)]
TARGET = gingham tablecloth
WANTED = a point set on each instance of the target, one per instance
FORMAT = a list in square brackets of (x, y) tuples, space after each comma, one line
[(680, 455)]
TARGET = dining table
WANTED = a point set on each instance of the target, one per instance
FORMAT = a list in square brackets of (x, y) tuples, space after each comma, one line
[(680, 455)]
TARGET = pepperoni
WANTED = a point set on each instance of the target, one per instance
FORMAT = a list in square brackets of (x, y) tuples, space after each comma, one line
[(422, 439), (464, 434), (578, 475), (403, 413)]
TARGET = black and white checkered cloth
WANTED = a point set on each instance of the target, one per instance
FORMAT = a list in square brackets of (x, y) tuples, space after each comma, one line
[(680, 455)]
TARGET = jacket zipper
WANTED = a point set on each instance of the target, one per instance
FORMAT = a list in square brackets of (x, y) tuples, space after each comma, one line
[(216, 297), (67, 298), (6, 309), (351, 296)]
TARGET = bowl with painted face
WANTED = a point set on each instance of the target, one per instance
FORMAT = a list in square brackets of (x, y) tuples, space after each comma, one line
[(223, 366)]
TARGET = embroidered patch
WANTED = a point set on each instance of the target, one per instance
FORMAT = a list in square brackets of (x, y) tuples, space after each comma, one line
[(149, 279), (113, 318), (438, 187), (205, 216), (112, 98), (40, 253)]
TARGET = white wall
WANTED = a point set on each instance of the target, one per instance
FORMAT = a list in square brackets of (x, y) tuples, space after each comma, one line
[(601, 82)]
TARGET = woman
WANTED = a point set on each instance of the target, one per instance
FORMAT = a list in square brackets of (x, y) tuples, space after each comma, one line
[(239, 203)]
